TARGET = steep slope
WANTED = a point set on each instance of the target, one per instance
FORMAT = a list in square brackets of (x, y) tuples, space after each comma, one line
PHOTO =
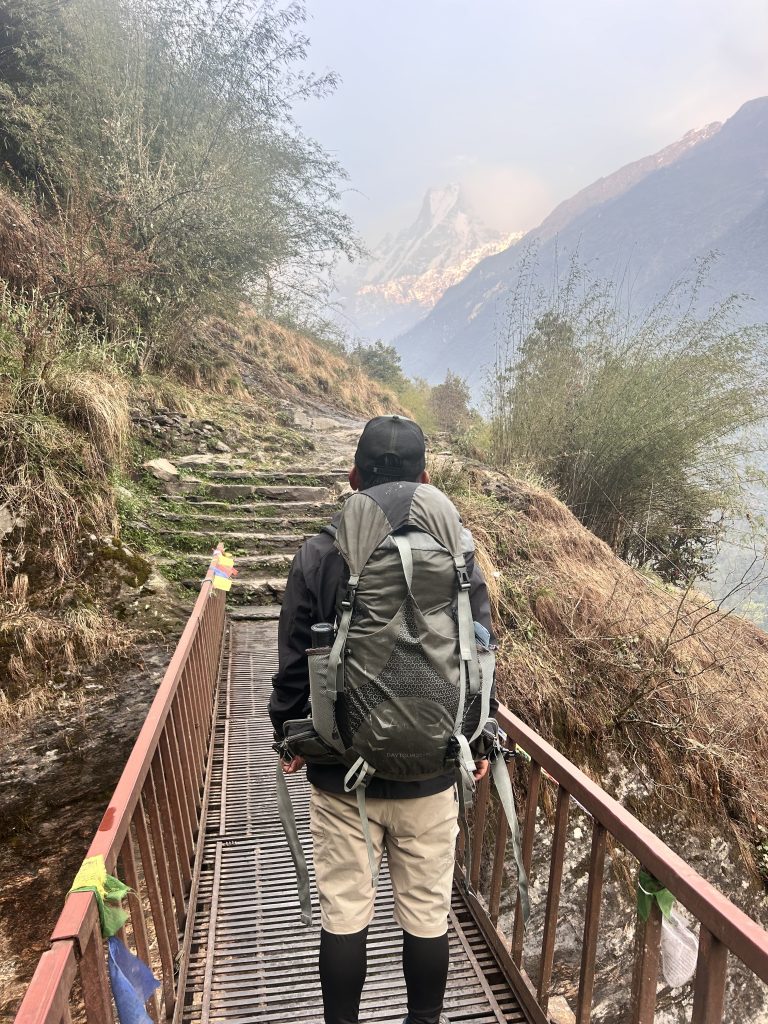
[(409, 272), (616, 184), (257, 468), (706, 197)]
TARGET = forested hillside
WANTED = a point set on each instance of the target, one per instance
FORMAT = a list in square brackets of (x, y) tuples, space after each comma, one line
[(156, 201)]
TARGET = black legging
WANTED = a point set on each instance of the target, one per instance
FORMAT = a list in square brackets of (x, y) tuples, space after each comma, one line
[(343, 964)]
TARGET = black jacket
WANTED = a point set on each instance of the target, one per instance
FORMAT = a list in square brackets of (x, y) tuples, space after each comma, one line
[(316, 573)]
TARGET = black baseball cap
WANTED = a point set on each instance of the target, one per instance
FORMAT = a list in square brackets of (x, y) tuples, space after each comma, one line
[(391, 448)]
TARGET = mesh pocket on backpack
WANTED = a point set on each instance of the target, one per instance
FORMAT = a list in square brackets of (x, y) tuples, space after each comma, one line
[(323, 716)]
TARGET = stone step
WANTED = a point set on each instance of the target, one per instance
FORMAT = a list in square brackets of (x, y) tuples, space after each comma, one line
[(273, 508), (250, 590), (236, 492), (213, 523), (252, 541), (253, 561), (326, 478), (264, 508), (206, 460)]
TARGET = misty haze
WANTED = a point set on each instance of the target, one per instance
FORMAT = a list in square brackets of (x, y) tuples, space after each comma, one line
[(383, 512)]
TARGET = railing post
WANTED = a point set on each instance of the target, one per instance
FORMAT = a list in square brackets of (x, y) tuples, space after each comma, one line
[(183, 770), (646, 966), (557, 859), (136, 908), (591, 924), (170, 772), (164, 940), (529, 831), (96, 989), (709, 987)]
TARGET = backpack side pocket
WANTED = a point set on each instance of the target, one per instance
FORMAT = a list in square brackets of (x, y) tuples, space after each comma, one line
[(323, 714)]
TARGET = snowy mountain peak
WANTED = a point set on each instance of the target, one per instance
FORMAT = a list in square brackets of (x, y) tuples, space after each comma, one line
[(442, 235), (411, 269), (440, 200)]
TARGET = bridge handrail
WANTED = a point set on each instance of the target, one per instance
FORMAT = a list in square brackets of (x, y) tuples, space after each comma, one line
[(716, 912), (723, 926), (162, 780)]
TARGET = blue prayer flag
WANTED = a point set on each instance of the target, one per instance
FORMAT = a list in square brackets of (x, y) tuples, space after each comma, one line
[(132, 984)]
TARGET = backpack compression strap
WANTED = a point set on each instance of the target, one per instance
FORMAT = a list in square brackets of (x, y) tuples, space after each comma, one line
[(356, 779), (334, 682), (466, 627)]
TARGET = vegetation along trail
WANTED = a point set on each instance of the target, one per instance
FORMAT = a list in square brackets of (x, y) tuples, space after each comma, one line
[(170, 379)]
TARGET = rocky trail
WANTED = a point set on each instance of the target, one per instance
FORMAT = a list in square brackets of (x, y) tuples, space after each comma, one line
[(60, 767), (260, 514)]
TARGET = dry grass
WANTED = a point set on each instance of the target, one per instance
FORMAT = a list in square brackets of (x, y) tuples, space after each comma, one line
[(201, 356), (27, 245), (49, 644), (596, 656), (53, 486), (282, 359), (64, 428), (164, 392), (93, 403)]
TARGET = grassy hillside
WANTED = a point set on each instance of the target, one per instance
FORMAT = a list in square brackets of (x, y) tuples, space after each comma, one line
[(70, 397), (612, 664)]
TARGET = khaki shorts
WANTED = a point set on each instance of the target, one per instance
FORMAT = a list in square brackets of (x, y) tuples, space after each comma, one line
[(420, 838)]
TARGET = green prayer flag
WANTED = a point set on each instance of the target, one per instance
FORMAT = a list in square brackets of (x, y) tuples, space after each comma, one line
[(650, 889), (109, 893)]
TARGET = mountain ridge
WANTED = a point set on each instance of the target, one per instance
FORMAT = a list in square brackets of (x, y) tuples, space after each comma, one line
[(709, 193)]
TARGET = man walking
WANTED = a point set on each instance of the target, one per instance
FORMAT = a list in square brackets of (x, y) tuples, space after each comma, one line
[(415, 821)]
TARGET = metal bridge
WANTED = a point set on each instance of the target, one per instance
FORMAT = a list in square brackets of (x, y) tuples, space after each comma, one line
[(192, 827)]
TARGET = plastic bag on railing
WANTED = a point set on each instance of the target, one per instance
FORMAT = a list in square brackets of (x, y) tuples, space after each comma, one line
[(132, 984), (679, 950)]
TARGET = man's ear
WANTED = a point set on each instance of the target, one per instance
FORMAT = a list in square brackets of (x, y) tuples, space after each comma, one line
[(424, 478), (354, 478)]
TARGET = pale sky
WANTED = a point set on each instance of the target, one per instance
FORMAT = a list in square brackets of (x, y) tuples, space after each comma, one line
[(523, 101)]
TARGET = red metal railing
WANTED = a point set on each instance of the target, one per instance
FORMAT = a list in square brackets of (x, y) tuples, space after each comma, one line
[(147, 838), (723, 927)]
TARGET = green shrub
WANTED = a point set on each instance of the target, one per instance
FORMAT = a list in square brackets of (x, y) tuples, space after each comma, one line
[(642, 423), (160, 139)]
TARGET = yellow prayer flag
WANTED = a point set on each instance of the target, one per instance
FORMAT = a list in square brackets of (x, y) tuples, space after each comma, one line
[(221, 583), (92, 874), (225, 561)]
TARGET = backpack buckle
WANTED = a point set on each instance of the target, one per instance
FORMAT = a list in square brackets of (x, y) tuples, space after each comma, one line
[(349, 598), (464, 580)]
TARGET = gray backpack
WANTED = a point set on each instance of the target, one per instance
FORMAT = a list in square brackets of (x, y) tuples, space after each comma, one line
[(405, 688)]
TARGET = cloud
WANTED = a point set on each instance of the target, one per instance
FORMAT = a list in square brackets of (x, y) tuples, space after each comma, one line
[(506, 197)]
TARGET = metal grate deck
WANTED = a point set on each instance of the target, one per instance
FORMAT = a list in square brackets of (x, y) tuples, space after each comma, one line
[(250, 961)]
